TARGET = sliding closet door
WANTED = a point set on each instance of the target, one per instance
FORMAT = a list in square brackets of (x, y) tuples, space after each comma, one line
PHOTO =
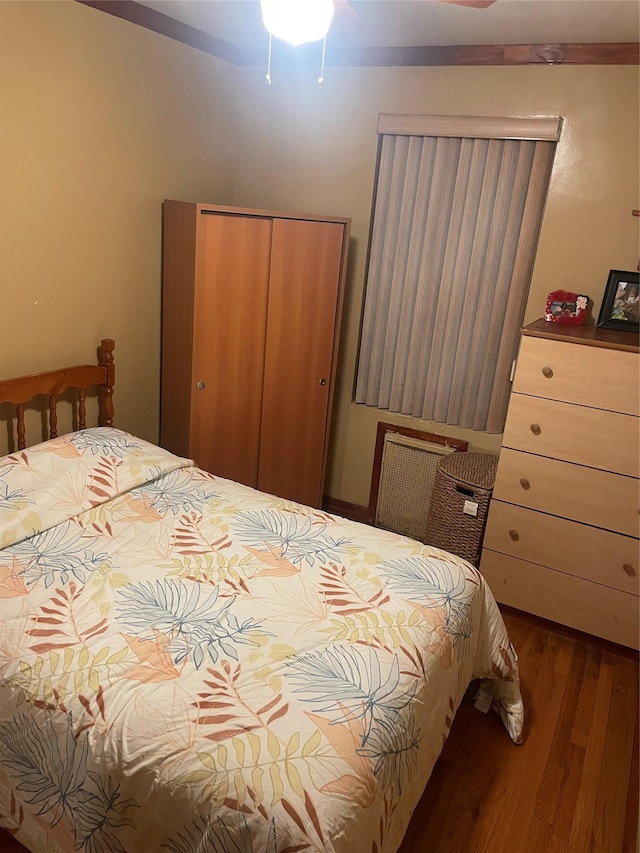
[(304, 292), (230, 311)]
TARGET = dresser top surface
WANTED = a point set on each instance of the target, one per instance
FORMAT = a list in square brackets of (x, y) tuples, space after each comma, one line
[(588, 335)]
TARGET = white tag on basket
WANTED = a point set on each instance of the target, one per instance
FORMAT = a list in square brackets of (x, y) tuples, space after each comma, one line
[(470, 508), (484, 698)]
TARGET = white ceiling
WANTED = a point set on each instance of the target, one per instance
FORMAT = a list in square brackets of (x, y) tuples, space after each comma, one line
[(390, 23)]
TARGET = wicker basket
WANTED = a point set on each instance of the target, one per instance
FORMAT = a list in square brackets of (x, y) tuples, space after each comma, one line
[(460, 478)]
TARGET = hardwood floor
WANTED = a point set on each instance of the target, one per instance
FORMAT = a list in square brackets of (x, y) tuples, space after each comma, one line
[(572, 787)]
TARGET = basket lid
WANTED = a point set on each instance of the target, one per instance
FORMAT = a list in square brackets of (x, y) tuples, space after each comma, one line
[(475, 469)]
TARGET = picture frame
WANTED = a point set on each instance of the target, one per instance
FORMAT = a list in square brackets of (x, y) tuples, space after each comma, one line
[(620, 307), (564, 306)]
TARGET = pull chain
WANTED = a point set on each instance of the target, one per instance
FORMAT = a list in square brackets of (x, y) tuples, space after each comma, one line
[(324, 50), (268, 77), (320, 78)]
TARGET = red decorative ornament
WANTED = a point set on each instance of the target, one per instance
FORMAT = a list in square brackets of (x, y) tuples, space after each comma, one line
[(566, 307)]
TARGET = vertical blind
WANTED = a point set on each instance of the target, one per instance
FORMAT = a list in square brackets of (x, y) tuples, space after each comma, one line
[(455, 226)]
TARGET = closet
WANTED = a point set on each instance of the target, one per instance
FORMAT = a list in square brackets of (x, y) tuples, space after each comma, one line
[(251, 309)]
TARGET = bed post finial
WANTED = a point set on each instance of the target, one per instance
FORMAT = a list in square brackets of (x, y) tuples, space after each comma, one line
[(105, 359), (20, 426)]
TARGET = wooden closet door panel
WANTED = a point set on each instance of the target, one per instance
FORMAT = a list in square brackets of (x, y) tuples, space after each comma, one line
[(229, 339), (304, 291)]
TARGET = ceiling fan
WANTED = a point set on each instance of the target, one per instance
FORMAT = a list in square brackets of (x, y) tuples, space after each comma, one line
[(297, 22)]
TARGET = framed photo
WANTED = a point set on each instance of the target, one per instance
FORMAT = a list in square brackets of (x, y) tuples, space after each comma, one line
[(621, 303), (563, 306)]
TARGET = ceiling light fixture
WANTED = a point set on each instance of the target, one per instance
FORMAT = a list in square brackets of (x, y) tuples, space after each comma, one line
[(297, 22)]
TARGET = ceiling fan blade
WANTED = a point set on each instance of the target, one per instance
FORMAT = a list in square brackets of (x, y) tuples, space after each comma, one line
[(347, 15), (348, 19), (474, 4)]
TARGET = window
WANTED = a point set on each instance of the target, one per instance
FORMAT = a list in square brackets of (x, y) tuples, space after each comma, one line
[(457, 213)]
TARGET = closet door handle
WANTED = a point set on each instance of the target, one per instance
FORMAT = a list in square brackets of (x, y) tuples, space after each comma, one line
[(323, 381), (548, 372), (535, 429), (201, 386)]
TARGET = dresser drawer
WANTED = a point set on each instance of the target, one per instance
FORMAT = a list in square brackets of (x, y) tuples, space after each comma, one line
[(581, 604), (589, 376), (599, 439), (600, 498), (565, 546)]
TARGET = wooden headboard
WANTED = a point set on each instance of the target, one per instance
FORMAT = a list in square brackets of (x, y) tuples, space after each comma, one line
[(53, 383)]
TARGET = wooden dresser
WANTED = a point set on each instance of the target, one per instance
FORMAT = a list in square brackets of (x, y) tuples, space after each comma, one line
[(563, 531)]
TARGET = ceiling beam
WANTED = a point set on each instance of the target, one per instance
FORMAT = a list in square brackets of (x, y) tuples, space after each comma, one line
[(612, 53), (160, 23)]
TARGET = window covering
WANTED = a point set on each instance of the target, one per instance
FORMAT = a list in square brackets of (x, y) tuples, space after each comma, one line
[(455, 227)]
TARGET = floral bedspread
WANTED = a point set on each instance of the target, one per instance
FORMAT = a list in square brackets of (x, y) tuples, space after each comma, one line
[(189, 665)]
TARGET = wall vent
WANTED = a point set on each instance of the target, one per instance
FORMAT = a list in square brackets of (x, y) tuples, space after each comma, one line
[(403, 477)]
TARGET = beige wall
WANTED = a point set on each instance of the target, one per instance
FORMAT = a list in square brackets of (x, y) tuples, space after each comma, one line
[(99, 120), (313, 149)]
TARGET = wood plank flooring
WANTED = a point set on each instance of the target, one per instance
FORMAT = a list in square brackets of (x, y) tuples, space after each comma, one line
[(572, 787)]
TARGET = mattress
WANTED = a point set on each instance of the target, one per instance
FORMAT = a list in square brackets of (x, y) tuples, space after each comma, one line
[(187, 664)]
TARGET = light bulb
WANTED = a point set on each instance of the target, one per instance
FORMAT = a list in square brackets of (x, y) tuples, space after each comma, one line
[(297, 21)]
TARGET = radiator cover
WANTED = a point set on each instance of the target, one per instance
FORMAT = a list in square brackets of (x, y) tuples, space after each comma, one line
[(407, 476)]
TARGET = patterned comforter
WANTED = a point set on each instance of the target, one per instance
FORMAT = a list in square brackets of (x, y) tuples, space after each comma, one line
[(188, 665)]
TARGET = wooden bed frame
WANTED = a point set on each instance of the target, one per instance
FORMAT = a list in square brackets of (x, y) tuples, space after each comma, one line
[(53, 383)]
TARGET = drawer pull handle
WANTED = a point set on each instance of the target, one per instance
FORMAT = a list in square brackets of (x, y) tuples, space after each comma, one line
[(546, 371), (526, 485), (629, 570), (535, 429), (514, 535)]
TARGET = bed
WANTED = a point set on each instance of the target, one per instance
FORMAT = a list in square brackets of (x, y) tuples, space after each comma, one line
[(189, 665)]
